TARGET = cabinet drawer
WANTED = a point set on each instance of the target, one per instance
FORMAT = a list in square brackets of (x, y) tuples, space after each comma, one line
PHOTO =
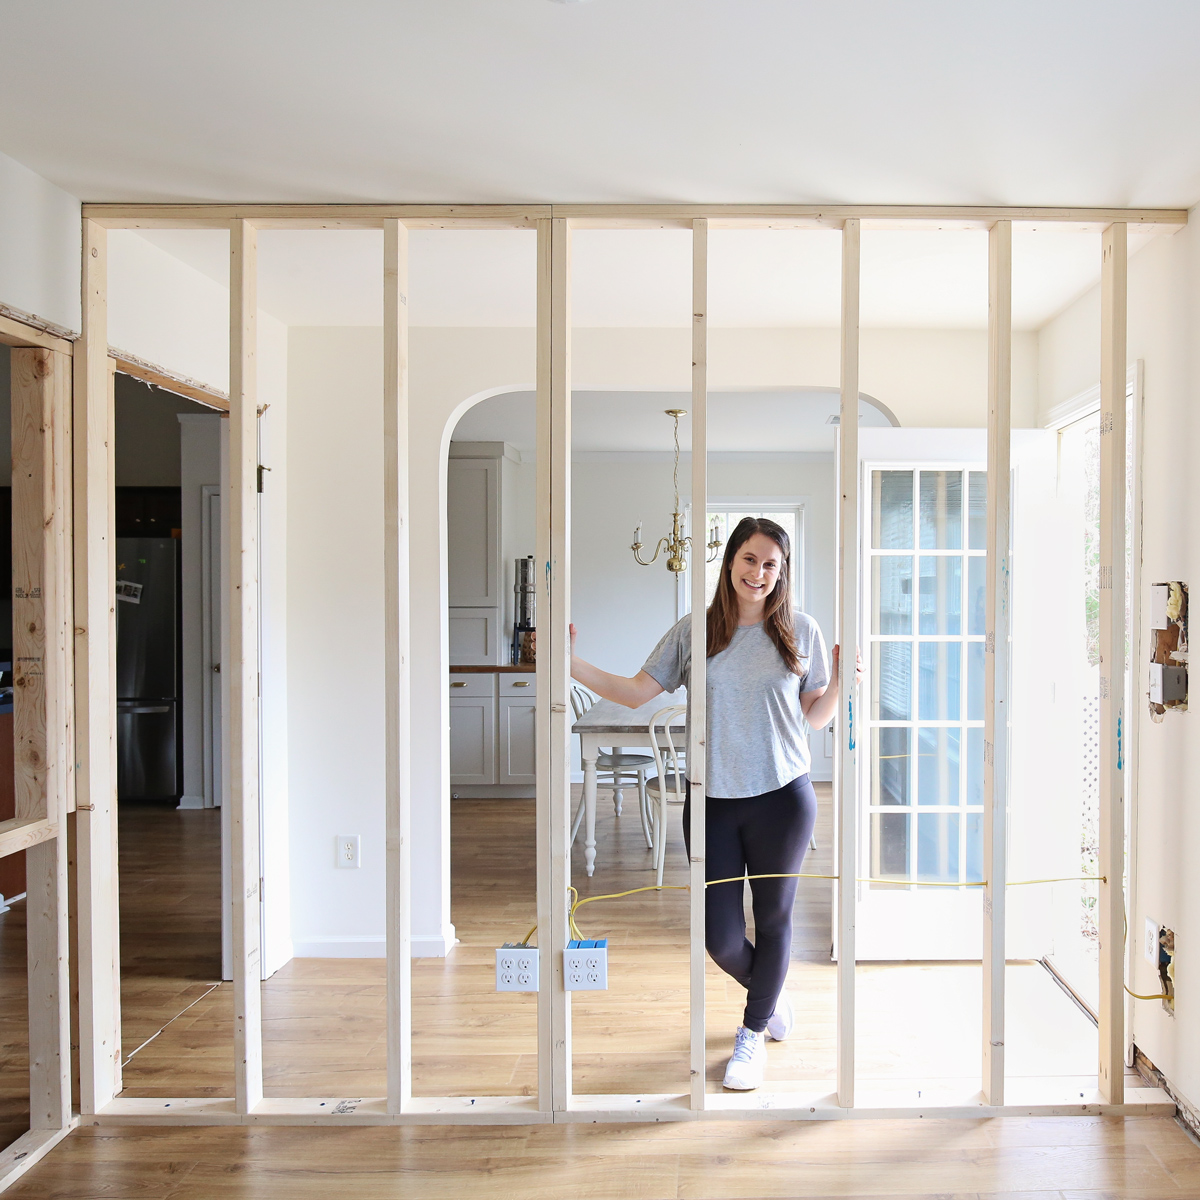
[(471, 684), (518, 686)]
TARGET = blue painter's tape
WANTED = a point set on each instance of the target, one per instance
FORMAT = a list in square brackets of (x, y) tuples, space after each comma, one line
[(850, 722), (1120, 744)]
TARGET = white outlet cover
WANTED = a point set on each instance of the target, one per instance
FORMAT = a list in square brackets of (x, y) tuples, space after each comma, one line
[(1150, 942), (348, 851), (517, 969)]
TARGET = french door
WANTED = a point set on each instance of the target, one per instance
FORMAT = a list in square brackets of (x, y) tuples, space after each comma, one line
[(923, 538)]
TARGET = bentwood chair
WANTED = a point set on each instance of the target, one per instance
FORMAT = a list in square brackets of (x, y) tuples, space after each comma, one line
[(621, 770), (668, 786)]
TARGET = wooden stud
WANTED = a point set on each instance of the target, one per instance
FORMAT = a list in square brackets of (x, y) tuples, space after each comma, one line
[(95, 690), (41, 425), (396, 645), (996, 658), (170, 381), (554, 659), (697, 692), (22, 329), (1113, 298), (610, 216), (241, 716), (846, 769)]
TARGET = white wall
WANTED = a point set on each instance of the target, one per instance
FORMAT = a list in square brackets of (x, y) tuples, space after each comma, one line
[(1164, 331), (39, 246)]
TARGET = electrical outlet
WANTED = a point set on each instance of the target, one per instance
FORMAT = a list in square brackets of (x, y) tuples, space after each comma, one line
[(348, 849), (516, 968), (585, 965), (1150, 942)]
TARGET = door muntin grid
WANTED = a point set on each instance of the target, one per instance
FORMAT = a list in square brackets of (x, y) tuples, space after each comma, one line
[(926, 541)]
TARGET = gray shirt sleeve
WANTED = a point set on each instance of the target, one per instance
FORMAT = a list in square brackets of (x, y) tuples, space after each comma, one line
[(810, 642), (670, 663)]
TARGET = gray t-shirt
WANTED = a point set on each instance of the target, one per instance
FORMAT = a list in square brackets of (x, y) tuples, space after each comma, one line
[(756, 728)]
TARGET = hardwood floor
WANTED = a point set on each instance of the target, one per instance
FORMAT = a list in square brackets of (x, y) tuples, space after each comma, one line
[(323, 1026)]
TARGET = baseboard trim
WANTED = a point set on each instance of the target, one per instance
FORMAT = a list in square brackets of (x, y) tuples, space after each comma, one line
[(374, 946), (190, 802)]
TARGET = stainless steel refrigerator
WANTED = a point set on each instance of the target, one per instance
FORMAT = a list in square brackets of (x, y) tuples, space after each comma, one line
[(147, 674)]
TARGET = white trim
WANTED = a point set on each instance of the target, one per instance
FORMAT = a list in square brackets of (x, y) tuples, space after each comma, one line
[(191, 802), (373, 945), (1084, 403)]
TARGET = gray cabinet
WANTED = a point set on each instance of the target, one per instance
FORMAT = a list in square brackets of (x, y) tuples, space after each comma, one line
[(493, 734), (472, 730), (516, 727), (475, 570)]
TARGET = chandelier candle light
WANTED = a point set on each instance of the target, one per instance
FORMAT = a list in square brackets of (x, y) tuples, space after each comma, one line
[(676, 545)]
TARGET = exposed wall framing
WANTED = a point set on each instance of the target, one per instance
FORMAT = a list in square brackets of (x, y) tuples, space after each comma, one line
[(43, 682), (555, 1101)]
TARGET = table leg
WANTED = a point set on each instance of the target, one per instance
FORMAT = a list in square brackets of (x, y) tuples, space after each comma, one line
[(589, 809)]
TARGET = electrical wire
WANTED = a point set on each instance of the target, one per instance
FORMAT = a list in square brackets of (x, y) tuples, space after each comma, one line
[(578, 902)]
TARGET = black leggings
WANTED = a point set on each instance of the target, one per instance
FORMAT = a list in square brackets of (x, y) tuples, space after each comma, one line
[(754, 835)]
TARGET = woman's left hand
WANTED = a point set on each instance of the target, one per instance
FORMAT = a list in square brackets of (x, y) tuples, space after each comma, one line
[(858, 667)]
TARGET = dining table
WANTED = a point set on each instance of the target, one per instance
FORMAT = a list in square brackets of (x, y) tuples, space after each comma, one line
[(610, 725)]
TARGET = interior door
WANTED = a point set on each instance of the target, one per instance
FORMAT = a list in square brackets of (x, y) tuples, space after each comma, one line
[(923, 633)]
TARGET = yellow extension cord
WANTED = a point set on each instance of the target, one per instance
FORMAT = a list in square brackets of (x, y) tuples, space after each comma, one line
[(577, 903)]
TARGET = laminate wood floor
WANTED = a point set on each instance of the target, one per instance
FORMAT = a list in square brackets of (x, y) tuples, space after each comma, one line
[(324, 1034)]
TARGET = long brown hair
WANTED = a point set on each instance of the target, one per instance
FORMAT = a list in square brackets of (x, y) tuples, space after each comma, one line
[(777, 613)]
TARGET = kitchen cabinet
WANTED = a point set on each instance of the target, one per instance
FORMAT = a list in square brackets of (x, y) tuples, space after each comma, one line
[(493, 719), (481, 544)]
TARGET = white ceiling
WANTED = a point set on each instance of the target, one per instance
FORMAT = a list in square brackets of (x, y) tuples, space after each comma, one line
[(992, 101), (622, 278), (778, 421)]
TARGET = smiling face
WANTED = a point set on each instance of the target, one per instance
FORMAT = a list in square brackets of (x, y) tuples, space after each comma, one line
[(754, 573)]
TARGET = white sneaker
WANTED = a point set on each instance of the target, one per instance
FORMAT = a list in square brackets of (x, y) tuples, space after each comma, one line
[(745, 1070), (783, 1019)]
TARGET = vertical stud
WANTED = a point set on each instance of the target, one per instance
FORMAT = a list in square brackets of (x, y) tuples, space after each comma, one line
[(996, 658), (1113, 299), (396, 639), (554, 657), (41, 397), (96, 689), (697, 691), (849, 718), (241, 716)]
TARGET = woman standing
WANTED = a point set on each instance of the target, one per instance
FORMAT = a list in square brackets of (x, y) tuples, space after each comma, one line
[(767, 675)]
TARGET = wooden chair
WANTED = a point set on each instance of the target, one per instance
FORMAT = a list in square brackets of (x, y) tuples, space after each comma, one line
[(623, 769), (668, 786)]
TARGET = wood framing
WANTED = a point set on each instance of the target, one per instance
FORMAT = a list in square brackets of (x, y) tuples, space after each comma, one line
[(1111, 922), (94, 678), (42, 701), (170, 381), (95, 690), (697, 689), (22, 329), (241, 716), (996, 653), (611, 216), (554, 661), (396, 672), (848, 568)]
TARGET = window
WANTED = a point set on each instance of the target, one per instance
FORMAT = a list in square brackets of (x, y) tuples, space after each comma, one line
[(925, 572), (724, 518)]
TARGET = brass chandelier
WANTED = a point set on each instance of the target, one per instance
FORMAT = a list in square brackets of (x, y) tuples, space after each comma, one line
[(676, 546)]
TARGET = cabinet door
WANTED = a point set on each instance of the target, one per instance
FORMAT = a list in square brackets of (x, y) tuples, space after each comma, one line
[(472, 740), (474, 636), (518, 722), (474, 570)]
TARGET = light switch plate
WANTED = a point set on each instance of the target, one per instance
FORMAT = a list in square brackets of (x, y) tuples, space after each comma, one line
[(349, 847)]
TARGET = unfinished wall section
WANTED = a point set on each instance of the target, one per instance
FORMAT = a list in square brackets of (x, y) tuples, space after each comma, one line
[(1164, 330)]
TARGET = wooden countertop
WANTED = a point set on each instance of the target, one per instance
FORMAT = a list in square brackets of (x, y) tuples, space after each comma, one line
[(494, 669)]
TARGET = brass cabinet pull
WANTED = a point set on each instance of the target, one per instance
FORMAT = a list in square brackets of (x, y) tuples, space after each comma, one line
[(521, 683), (459, 683)]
